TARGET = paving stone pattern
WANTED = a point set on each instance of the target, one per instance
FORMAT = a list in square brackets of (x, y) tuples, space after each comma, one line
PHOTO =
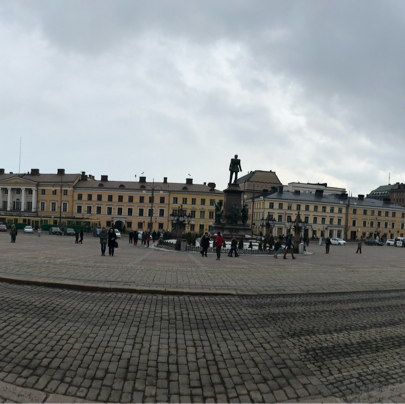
[(155, 348), (59, 259)]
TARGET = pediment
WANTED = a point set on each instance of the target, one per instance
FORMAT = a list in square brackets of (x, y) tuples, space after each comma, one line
[(17, 181)]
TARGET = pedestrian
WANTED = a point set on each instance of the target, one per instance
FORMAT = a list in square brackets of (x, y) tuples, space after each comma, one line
[(39, 232), (289, 247), (234, 246), (359, 245), (112, 239), (131, 236), (143, 237), (77, 236), (147, 239), (13, 233), (158, 235), (327, 245), (219, 241), (204, 243), (81, 236), (277, 249), (153, 236), (135, 238), (103, 239)]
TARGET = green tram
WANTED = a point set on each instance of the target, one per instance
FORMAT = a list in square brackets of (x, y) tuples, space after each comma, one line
[(46, 222)]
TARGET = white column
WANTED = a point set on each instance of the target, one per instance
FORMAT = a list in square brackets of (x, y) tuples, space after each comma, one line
[(34, 199), (9, 198), (22, 199)]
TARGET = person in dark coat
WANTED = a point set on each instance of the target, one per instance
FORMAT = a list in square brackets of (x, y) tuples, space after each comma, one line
[(131, 236), (205, 243), (112, 238), (289, 247), (76, 236), (327, 245), (153, 236), (135, 238), (147, 239), (103, 240), (234, 246), (81, 236)]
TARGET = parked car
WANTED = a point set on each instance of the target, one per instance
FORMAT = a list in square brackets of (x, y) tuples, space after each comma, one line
[(55, 230), (399, 242), (390, 242), (70, 232), (371, 241), (28, 229), (117, 233), (337, 241), (3, 227), (96, 232)]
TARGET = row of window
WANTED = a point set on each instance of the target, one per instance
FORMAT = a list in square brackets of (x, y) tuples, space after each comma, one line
[(184, 201), (379, 213), (120, 198)]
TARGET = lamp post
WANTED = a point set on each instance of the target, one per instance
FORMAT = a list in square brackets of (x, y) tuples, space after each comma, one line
[(179, 221), (152, 187), (268, 223), (297, 224)]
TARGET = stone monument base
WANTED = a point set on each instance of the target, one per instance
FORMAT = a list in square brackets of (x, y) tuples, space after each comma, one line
[(240, 232)]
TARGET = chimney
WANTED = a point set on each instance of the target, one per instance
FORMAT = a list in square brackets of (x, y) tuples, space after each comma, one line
[(104, 178), (1, 170), (34, 171), (189, 181), (319, 192), (84, 176), (297, 192), (361, 197), (61, 171), (164, 180), (280, 189), (205, 183), (142, 179), (212, 184)]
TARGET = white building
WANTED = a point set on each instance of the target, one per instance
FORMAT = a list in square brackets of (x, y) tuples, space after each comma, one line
[(311, 188)]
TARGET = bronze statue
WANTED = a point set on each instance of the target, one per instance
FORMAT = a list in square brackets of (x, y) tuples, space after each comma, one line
[(245, 214), (234, 168), (233, 215), (218, 212)]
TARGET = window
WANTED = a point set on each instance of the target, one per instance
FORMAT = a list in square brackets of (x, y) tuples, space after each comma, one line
[(315, 208), (378, 224), (371, 224), (365, 212), (140, 225), (42, 191), (386, 214), (354, 211), (331, 220), (150, 212), (130, 199), (323, 221), (298, 207), (175, 200), (162, 200), (202, 201), (212, 202), (364, 223), (151, 200), (29, 205), (339, 221), (289, 206), (211, 215), (98, 210), (192, 227), (110, 198), (160, 226), (193, 214), (89, 197), (271, 205), (141, 199), (306, 219), (315, 220), (53, 206), (161, 212), (30, 192), (288, 218), (140, 212), (280, 218), (202, 215), (41, 206), (78, 208), (392, 225), (184, 201), (88, 210), (129, 211), (108, 223), (372, 213), (79, 197), (323, 208), (64, 192), (64, 206), (201, 228), (120, 198), (306, 208), (54, 191), (354, 222), (393, 214), (109, 210), (379, 213), (402, 226), (386, 225), (332, 209), (99, 197), (193, 201), (280, 206), (340, 210), (129, 225), (119, 211)]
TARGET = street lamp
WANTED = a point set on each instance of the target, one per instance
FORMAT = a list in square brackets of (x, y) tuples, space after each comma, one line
[(152, 187), (179, 220), (269, 224)]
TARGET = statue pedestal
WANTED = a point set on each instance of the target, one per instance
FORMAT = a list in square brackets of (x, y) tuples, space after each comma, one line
[(232, 194)]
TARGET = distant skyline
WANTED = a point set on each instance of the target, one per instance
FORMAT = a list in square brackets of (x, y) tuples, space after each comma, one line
[(313, 90)]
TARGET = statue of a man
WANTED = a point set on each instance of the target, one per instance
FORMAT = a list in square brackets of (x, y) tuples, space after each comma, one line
[(245, 214), (218, 212), (234, 168)]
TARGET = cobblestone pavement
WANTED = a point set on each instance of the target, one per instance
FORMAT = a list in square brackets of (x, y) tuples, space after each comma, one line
[(121, 347), (59, 259)]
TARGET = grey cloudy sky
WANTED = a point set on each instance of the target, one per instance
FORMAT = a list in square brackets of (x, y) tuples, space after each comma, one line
[(313, 90)]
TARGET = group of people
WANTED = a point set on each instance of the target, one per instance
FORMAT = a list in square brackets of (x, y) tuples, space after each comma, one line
[(218, 243), (146, 237), (108, 237)]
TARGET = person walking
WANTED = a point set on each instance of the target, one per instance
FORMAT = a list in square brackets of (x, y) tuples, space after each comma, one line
[(143, 238), (13, 233), (277, 249), (131, 236), (135, 238), (147, 240), (81, 236), (327, 245), (39, 232), (359, 245), (234, 246), (153, 236), (219, 241), (289, 247), (112, 237), (103, 239), (205, 243)]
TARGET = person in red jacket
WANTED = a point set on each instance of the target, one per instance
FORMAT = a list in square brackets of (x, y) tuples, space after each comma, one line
[(218, 243)]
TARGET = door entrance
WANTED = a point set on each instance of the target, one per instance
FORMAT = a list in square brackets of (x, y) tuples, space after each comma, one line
[(119, 224), (353, 235)]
